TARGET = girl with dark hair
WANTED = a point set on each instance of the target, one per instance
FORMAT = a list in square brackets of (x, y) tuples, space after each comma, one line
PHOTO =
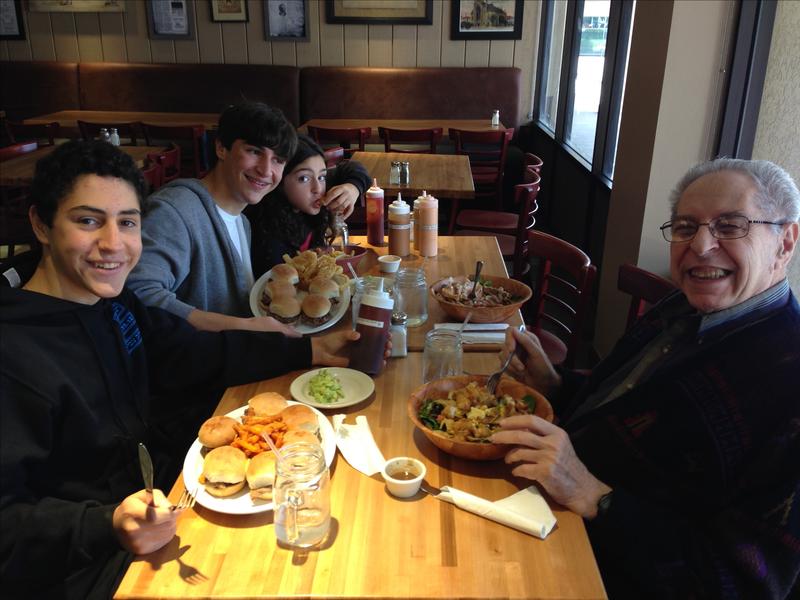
[(299, 213)]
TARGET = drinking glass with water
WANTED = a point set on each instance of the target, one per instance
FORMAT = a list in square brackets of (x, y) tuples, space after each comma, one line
[(442, 354)]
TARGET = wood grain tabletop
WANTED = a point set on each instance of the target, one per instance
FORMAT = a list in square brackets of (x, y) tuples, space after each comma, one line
[(378, 546), (20, 170), (445, 124), (69, 118), (441, 175)]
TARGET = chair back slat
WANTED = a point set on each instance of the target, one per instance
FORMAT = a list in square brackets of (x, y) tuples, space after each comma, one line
[(129, 133), (44, 135), (192, 142), (344, 137), (644, 287), (429, 137)]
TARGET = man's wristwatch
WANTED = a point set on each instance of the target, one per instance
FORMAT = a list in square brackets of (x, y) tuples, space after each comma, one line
[(604, 504)]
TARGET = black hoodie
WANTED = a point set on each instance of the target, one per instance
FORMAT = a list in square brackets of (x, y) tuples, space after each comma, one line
[(76, 384)]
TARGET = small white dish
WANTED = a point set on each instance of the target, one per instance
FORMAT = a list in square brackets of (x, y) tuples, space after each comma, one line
[(356, 386), (389, 263), (403, 476)]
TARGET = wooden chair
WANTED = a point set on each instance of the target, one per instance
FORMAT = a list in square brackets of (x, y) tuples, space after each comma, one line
[(152, 174), (44, 135), (169, 160), (511, 230), (533, 162), (333, 156), (128, 132), (644, 287), (561, 296), (15, 150), (487, 156), (190, 138), (341, 137), (419, 137)]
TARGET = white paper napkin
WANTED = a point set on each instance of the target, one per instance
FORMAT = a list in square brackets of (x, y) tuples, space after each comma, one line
[(357, 445), (478, 333), (526, 510)]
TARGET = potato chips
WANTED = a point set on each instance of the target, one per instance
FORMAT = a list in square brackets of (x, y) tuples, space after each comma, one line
[(309, 265)]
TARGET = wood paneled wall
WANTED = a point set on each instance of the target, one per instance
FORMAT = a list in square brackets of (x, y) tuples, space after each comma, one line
[(123, 37)]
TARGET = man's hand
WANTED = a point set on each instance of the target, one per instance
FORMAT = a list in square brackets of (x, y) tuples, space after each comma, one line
[(546, 455), (142, 528), (341, 199), (332, 350), (536, 371)]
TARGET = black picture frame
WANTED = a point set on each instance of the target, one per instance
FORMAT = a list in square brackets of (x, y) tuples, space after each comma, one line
[(19, 34), (290, 31), (458, 31), (158, 28), (218, 16), (387, 14)]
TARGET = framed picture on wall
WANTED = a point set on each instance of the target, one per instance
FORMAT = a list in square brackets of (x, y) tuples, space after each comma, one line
[(486, 19), (76, 5), (286, 20), (11, 24), (229, 11), (380, 12), (170, 19)]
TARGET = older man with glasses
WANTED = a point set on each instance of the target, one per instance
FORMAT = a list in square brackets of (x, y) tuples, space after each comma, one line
[(682, 448)]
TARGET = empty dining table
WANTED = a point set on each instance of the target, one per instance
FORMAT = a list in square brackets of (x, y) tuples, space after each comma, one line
[(374, 124), (69, 118)]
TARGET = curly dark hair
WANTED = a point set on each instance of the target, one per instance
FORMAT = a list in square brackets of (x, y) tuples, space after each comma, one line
[(258, 124), (57, 173)]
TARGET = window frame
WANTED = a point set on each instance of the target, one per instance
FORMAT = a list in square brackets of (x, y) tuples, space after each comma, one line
[(608, 111)]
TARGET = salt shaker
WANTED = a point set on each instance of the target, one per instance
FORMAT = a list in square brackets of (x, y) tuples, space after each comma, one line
[(114, 137), (399, 334), (394, 173), (495, 118)]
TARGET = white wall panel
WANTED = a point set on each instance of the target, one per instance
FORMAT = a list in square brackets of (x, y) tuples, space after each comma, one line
[(40, 35)]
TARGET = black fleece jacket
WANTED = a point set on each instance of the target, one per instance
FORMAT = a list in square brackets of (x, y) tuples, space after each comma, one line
[(76, 384)]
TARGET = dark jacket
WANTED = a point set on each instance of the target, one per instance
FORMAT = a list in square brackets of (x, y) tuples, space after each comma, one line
[(704, 458), (273, 236), (76, 384)]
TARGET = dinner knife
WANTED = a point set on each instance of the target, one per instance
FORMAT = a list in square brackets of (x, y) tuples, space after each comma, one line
[(146, 464)]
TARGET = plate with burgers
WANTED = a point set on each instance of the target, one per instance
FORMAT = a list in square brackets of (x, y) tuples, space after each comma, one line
[(233, 472), (278, 293)]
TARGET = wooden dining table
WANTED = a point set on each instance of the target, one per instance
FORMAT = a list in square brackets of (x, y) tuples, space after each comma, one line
[(69, 118), (20, 170), (457, 255), (445, 124), (379, 547), (441, 175)]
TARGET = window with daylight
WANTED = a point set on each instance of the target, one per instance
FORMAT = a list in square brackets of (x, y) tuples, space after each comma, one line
[(581, 78)]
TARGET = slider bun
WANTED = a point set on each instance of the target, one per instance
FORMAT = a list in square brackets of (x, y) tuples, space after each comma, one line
[(324, 287), (286, 307), (217, 431), (299, 435), (316, 306), (280, 287), (224, 471), (261, 475), (285, 272), (300, 416), (266, 404)]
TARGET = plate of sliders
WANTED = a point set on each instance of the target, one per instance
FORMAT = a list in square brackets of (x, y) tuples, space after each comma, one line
[(309, 305), (233, 469)]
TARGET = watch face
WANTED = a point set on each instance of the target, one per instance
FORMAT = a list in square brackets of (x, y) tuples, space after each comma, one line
[(604, 504)]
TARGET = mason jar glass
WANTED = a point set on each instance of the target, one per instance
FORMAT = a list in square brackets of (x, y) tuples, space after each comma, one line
[(411, 296), (441, 356)]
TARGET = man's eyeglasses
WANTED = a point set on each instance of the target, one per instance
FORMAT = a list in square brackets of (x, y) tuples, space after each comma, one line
[(728, 227)]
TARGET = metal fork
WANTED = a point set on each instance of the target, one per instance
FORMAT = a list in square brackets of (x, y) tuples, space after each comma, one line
[(494, 378), (187, 500)]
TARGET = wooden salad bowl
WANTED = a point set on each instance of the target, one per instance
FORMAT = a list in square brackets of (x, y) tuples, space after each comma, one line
[(484, 314), (471, 450)]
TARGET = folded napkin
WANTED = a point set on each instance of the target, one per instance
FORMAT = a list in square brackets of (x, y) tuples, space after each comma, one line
[(478, 333), (526, 510), (357, 445)]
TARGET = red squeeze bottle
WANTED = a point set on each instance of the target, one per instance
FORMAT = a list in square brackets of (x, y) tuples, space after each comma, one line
[(374, 197), (374, 319)]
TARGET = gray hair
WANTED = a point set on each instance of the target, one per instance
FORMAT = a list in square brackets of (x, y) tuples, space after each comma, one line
[(776, 192)]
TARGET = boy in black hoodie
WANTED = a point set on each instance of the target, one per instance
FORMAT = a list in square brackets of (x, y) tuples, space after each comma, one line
[(81, 359)]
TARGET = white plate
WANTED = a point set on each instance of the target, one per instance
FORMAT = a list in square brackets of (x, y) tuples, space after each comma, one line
[(357, 387), (338, 311), (241, 503)]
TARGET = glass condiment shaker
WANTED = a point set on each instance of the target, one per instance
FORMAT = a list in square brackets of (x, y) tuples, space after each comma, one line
[(405, 173), (411, 295), (113, 137), (399, 334), (495, 118), (104, 135), (302, 495), (394, 173), (341, 234)]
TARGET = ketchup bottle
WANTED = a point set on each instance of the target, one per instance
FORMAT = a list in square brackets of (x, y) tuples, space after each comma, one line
[(374, 320), (374, 198)]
